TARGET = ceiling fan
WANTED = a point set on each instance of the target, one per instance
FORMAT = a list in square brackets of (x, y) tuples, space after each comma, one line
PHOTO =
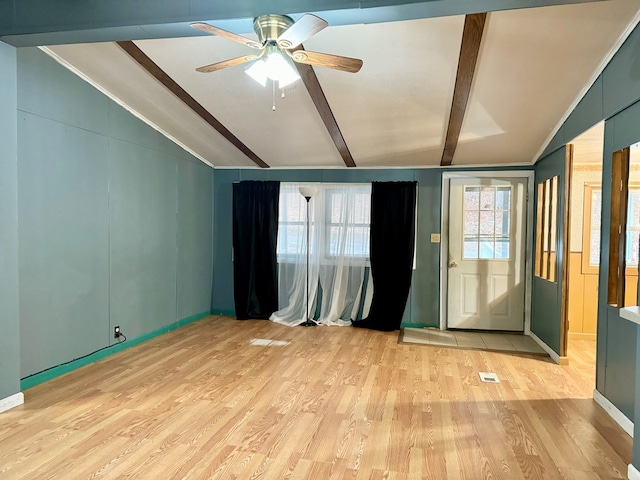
[(279, 42)]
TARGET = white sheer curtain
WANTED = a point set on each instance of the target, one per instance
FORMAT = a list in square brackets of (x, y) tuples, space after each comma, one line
[(339, 253)]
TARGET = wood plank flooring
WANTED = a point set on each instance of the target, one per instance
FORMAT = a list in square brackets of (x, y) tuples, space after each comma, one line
[(334, 403)]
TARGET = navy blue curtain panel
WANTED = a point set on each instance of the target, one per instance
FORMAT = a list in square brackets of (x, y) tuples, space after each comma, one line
[(255, 234), (392, 239)]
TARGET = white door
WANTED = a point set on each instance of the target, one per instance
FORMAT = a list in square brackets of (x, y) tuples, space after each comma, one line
[(487, 240)]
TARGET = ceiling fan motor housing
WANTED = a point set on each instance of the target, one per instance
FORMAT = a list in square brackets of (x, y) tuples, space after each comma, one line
[(270, 27)]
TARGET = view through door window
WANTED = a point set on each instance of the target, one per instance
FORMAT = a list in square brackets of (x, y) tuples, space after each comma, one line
[(487, 222)]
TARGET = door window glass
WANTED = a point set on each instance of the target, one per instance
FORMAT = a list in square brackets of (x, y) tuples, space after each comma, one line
[(487, 222)]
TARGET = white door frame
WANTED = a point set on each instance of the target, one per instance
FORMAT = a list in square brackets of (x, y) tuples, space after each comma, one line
[(444, 236)]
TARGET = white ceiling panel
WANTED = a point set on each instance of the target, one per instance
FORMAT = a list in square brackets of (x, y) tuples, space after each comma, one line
[(394, 111), (288, 136), (532, 66)]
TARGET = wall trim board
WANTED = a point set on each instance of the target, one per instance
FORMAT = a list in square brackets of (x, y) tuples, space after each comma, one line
[(59, 370), (613, 411), (553, 354), (633, 473), (582, 336), (11, 401), (419, 325)]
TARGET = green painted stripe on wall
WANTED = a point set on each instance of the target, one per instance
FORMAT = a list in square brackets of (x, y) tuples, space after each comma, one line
[(419, 325), (54, 372)]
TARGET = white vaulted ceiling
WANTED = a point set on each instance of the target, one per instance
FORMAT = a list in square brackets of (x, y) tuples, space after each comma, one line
[(533, 66)]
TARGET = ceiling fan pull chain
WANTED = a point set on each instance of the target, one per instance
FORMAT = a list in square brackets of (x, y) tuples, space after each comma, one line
[(273, 96)]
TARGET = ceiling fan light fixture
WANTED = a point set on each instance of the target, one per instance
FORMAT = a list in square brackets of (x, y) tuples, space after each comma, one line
[(258, 71), (276, 66), (280, 68)]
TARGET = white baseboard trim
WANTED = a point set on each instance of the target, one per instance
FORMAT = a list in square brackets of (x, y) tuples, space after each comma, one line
[(12, 401), (612, 410), (582, 336), (554, 356), (633, 473)]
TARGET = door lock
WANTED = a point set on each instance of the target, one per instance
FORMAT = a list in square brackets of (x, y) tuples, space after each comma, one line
[(453, 265)]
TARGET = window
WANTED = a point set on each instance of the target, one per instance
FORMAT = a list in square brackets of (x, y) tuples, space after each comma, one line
[(291, 222), (591, 229), (349, 225), (547, 213), (340, 213), (487, 222)]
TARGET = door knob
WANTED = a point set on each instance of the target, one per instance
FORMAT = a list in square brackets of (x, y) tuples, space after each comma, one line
[(453, 265)]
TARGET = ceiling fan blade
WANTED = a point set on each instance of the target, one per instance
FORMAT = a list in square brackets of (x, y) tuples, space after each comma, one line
[(232, 62), (346, 64), (205, 27), (303, 29)]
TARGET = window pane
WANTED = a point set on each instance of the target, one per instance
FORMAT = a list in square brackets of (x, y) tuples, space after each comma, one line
[(472, 198), (359, 241), (334, 241), (487, 198), (486, 248), (335, 206), (293, 208), (291, 238), (487, 223), (471, 222), (502, 247), (362, 208), (594, 255), (470, 248), (596, 208), (633, 215), (350, 218), (631, 247), (502, 223), (503, 198)]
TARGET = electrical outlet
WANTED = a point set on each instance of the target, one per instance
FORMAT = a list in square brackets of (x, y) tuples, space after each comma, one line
[(116, 332)]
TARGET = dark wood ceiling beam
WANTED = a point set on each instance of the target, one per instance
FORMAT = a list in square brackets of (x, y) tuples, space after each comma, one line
[(469, 50), (320, 101), (150, 66)]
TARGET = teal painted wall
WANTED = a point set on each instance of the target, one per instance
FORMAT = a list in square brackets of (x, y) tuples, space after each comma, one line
[(546, 295), (617, 337), (9, 316), (614, 98), (115, 221), (422, 308)]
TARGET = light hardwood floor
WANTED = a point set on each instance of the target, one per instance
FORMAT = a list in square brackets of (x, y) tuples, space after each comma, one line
[(201, 402)]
